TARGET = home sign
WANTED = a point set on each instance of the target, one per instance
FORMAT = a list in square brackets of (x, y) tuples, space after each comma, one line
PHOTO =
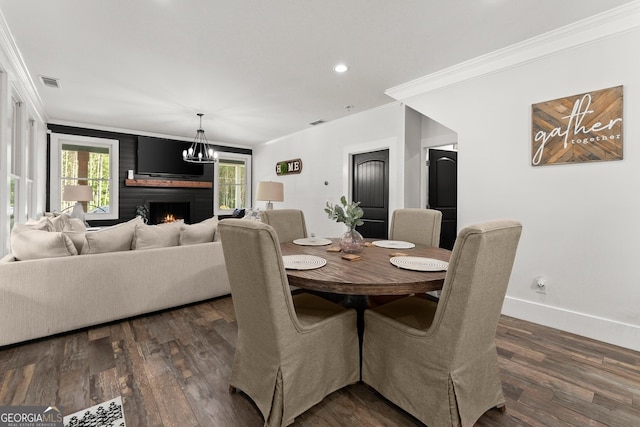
[(579, 128), (289, 167)]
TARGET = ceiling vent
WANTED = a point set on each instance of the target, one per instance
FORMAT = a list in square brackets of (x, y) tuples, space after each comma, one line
[(317, 122), (50, 82)]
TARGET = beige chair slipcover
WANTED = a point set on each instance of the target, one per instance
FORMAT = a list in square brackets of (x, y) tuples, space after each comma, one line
[(289, 224), (438, 361), (291, 351), (421, 226)]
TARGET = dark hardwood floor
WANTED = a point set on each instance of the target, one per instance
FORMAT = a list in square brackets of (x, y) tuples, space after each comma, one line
[(172, 369)]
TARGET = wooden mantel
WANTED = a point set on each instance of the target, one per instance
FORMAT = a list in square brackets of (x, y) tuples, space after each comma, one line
[(167, 183)]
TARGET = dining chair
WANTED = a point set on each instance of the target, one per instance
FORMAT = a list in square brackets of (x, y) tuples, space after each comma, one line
[(438, 361), (291, 350), (289, 224), (415, 225)]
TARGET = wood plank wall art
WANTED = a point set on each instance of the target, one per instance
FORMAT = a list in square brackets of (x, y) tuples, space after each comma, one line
[(288, 167), (579, 128)]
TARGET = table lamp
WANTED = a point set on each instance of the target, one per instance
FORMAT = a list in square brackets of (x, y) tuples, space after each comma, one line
[(78, 194), (270, 191)]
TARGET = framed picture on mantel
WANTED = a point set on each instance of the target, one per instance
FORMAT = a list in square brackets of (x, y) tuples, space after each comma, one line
[(579, 128)]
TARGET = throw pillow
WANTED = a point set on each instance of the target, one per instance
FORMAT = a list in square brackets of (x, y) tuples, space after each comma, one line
[(64, 222), (156, 236), (78, 238), (60, 222), (37, 244), (202, 232), (111, 239), (43, 223)]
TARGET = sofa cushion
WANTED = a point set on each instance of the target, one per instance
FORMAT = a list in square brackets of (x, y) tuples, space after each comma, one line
[(156, 236), (111, 239), (201, 232), (37, 244)]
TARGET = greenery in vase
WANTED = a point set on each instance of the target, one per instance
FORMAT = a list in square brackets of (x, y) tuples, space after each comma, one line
[(349, 213)]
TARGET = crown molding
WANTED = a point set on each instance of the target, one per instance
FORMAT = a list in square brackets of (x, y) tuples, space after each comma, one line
[(18, 67), (607, 24)]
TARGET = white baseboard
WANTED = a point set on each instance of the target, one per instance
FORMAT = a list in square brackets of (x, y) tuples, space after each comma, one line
[(597, 328)]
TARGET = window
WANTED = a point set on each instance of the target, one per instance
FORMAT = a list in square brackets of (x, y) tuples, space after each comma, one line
[(81, 160), (16, 211), (232, 183), (30, 156)]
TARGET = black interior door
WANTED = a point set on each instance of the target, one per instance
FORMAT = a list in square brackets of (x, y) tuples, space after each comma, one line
[(443, 192), (371, 189)]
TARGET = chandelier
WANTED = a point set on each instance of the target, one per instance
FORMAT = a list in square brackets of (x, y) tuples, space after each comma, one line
[(200, 151)]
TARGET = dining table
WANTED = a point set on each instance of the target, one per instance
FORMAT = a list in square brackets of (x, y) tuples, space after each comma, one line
[(351, 282), (370, 274)]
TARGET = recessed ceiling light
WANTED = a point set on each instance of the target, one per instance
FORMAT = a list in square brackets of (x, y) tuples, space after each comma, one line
[(340, 68)]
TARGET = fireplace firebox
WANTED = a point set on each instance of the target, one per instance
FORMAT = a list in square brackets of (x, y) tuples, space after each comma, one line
[(165, 212)]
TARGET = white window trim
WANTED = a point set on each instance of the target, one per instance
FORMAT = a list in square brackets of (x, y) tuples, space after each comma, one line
[(55, 178), (246, 158)]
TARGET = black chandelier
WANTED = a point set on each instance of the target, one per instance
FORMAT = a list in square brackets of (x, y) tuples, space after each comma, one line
[(200, 151)]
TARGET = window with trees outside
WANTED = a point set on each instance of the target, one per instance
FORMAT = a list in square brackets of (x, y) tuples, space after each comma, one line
[(232, 183), (86, 161)]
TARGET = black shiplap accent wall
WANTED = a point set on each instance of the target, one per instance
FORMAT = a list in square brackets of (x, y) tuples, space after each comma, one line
[(201, 198)]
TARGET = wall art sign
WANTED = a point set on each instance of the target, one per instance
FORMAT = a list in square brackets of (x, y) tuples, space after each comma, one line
[(579, 128), (288, 167)]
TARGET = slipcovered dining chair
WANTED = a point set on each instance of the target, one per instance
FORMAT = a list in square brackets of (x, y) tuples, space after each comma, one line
[(289, 224), (415, 225), (291, 351), (438, 361)]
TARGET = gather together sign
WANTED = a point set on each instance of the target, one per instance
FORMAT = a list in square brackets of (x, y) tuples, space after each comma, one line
[(579, 128)]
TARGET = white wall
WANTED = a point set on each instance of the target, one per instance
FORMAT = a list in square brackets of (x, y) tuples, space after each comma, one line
[(325, 151), (580, 221)]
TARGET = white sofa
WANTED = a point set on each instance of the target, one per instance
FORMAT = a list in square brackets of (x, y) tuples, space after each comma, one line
[(41, 297)]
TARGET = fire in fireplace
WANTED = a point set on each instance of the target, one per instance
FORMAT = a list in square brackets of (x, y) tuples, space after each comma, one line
[(165, 212)]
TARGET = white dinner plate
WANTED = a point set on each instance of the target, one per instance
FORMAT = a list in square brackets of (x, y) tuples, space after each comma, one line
[(394, 244), (419, 263), (303, 262), (312, 241)]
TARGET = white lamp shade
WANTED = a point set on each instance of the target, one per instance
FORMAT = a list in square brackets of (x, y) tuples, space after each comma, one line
[(77, 193), (270, 191)]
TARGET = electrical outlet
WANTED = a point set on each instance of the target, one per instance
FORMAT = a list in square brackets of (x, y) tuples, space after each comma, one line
[(541, 285)]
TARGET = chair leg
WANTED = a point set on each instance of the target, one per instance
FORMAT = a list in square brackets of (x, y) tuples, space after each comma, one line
[(501, 408)]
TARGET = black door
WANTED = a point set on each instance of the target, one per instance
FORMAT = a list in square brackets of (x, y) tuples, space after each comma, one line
[(371, 189), (443, 192)]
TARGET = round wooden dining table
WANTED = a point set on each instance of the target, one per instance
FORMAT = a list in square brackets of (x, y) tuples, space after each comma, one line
[(372, 274), (349, 283)]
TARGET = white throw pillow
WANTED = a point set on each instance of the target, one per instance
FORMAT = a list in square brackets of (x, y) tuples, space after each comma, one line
[(156, 236), (43, 223), (37, 244), (202, 232), (60, 222), (78, 238), (111, 239)]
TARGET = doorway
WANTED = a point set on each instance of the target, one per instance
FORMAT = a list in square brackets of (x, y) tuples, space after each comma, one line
[(443, 192), (371, 188)]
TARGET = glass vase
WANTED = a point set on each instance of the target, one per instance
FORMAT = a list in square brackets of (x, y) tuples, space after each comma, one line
[(352, 242)]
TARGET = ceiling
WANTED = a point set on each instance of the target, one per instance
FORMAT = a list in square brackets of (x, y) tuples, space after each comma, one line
[(257, 69)]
